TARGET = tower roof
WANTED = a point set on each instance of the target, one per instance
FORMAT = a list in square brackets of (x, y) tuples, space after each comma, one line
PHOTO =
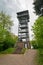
[(23, 14)]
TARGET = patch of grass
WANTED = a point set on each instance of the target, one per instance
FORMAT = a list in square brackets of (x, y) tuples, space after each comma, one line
[(8, 51), (39, 57), (23, 50)]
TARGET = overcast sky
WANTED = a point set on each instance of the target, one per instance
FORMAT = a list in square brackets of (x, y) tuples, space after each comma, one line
[(11, 7)]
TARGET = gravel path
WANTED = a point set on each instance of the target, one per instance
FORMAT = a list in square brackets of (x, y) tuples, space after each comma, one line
[(19, 59)]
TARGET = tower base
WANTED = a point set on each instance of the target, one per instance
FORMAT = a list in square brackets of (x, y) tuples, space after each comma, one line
[(23, 45)]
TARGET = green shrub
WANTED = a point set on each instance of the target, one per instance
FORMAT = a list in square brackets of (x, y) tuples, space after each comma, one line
[(1, 47), (40, 56), (8, 51), (23, 50), (38, 31), (34, 44)]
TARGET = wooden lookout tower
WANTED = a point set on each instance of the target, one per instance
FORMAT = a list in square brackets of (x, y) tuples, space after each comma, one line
[(23, 34)]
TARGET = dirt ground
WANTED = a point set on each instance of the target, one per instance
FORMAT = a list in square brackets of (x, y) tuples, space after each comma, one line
[(19, 59)]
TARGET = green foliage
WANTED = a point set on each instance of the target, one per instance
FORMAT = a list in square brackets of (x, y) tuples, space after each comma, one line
[(5, 25), (1, 47), (38, 31), (23, 50), (37, 6), (10, 41), (7, 39), (5, 21), (34, 44), (8, 51), (40, 56)]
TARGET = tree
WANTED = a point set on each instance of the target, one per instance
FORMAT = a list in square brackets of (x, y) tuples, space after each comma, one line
[(38, 31), (10, 41), (5, 27), (38, 4)]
